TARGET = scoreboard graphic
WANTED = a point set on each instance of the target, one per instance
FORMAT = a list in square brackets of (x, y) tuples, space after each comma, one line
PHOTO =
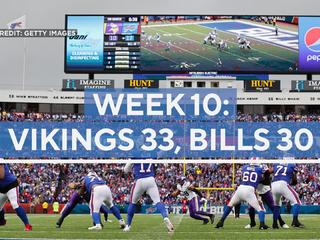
[(136, 44), (121, 43)]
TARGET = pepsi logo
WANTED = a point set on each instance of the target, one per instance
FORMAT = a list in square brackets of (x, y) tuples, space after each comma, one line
[(312, 39)]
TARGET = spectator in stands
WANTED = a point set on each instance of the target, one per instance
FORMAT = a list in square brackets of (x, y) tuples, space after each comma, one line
[(55, 207), (45, 206)]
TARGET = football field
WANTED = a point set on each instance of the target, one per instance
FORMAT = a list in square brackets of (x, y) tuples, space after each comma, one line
[(184, 43), (151, 227)]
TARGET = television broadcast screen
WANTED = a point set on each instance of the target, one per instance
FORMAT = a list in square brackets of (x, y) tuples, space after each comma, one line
[(176, 44), (207, 128)]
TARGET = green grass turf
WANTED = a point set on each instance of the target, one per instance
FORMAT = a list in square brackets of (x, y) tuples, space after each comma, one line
[(188, 47), (152, 227)]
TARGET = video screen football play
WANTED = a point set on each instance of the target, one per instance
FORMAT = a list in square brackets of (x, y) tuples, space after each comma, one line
[(179, 44)]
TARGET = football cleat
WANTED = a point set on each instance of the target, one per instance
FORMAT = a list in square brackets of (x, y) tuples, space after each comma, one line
[(275, 226), (212, 219), (297, 224), (58, 225), (28, 228), (127, 228), (247, 226), (93, 224), (219, 224), (250, 225), (285, 226), (263, 226), (169, 224), (122, 224), (96, 227)]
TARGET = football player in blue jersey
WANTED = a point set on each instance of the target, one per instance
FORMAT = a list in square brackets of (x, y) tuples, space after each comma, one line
[(9, 190), (74, 200), (251, 177), (284, 175), (144, 183), (100, 194), (265, 194)]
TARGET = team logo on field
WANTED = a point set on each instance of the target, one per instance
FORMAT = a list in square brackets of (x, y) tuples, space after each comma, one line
[(312, 39)]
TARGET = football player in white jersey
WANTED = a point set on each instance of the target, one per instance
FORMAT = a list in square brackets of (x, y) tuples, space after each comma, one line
[(243, 43), (213, 38), (206, 39), (187, 190), (158, 37), (222, 45)]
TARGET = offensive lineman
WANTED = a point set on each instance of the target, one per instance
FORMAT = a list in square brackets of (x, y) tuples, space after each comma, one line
[(251, 177), (100, 193), (264, 192), (9, 190), (284, 175), (74, 200), (188, 190), (144, 183)]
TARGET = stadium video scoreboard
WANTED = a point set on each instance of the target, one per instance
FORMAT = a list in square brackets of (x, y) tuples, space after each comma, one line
[(121, 43), (136, 44)]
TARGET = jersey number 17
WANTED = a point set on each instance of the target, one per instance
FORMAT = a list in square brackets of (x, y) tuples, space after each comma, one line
[(142, 170)]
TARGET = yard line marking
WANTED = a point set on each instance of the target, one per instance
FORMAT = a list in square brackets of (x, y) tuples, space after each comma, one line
[(183, 49), (183, 23), (244, 21), (171, 60), (219, 21)]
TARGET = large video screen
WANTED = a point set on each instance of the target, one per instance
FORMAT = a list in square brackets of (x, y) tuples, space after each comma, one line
[(182, 44)]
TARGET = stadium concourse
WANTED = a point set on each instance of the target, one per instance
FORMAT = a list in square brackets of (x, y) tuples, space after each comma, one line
[(39, 181)]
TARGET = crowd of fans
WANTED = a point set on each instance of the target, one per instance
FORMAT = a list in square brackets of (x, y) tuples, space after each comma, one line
[(241, 117), (278, 117), (40, 181), (33, 117)]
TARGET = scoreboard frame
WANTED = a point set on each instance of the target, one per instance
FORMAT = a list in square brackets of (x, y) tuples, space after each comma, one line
[(67, 71)]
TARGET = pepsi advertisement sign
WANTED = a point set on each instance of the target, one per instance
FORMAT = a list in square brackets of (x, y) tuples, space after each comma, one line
[(309, 44)]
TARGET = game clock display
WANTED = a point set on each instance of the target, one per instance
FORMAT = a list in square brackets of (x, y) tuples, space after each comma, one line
[(121, 43), (193, 43)]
